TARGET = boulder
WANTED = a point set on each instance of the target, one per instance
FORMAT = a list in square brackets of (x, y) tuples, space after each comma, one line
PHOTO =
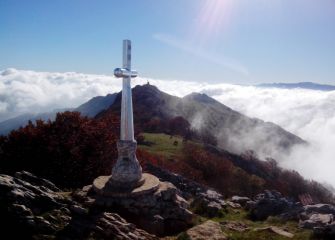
[(316, 220), (320, 208), (240, 200), (208, 230), (209, 203), (320, 218), (272, 203)]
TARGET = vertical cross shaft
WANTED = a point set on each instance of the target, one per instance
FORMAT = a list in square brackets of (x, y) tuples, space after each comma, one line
[(127, 125)]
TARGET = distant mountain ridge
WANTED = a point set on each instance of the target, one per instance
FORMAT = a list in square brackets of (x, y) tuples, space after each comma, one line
[(236, 132), (302, 85), (89, 109), (23, 119), (96, 105)]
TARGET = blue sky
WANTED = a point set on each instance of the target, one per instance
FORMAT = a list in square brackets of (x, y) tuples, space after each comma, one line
[(233, 41)]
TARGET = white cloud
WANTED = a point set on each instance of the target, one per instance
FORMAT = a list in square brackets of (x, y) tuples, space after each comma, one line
[(307, 113), (29, 91)]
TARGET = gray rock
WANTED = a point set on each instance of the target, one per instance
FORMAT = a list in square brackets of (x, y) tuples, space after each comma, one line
[(214, 209), (115, 227), (76, 209), (319, 218), (271, 203), (37, 198), (233, 205), (41, 182), (208, 230), (240, 200), (188, 188), (320, 208), (169, 192), (316, 220), (209, 203), (250, 205), (37, 210), (28, 198), (205, 201), (104, 225), (182, 202), (21, 210), (43, 226)]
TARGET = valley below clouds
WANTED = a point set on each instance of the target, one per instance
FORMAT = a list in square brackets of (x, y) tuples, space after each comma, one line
[(310, 114)]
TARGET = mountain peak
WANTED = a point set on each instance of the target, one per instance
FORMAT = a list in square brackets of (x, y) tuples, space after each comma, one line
[(199, 97), (146, 88)]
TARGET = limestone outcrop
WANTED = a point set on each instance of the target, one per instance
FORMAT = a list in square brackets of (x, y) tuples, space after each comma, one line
[(38, 209)]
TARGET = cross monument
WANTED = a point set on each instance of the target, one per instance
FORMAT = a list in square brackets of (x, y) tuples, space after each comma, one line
[(127, 179), (127, 171)]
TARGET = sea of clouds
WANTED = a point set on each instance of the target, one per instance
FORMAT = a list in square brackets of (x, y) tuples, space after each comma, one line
[(309, 114)]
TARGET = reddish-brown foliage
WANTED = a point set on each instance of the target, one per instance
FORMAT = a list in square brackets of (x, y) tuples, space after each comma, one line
[(71, 151), (219, 170)]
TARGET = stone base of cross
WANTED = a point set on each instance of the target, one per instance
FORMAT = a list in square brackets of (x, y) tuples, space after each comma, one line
[(127, 172)]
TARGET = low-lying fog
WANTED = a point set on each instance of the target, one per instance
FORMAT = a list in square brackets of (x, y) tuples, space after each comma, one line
[(307, 113)]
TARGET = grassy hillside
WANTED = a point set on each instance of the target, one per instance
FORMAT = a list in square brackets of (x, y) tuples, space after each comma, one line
[(162, 144), (228, 173)]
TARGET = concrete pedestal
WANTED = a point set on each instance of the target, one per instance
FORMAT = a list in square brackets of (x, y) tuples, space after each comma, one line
[(104, 186)]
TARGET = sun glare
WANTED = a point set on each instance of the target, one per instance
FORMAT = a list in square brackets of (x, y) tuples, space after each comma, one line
[(212, 18)]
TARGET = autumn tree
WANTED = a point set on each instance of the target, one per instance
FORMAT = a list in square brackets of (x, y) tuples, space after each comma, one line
[(71, 151)]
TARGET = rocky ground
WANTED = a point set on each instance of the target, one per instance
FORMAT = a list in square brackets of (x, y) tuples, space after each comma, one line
[(182, 209)]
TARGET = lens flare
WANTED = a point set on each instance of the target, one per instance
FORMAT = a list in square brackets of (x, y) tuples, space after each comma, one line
[(213, 17)]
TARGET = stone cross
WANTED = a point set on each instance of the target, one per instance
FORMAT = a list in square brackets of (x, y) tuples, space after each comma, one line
[(127, 172), (127, 125)]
